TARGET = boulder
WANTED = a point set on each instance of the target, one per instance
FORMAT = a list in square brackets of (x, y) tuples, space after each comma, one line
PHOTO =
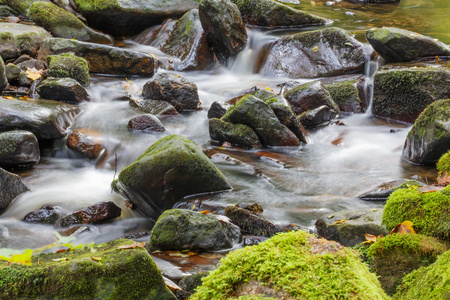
[(19, 7), (47, 119), (109, 273), (44, 215), (223, 27), (30, 64), (18, 39), (271, 13), (102, 58), (23, 80), (175, 89), (171, 169), (128, 17), (62, 23), (403, 93), (191, 282), (251, 223), (348, 95), (19, 149), (86, 143), (383, 191), (427, 211), (217, 110), (399, 45), (294, 265), (429, 138), (327, 52), (349, 227), (94, 214), (396, 255), (66, 90), (157, 36), (180, 229), (258, 115), (154, 107), (235, 134), (12, 73), (200, 205), (3, 76), (68, 65), (11, 186), (317, 116), (146, 123)]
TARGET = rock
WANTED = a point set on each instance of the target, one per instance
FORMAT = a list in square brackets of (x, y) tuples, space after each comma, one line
[(270, 13), (18, 39), (46, 119), (395, 255), (12, 73), (317, 116), (429, 138), (427, 211), (294, 265), (21, 59), (251, 207), (235, 134), (251, 223), (171, 169), (399, 45), (382, 192), (200, 205), (180, 229), (223, 27), (31, 63), (154, 107), (188, 42), (217, 110), (157, 36), (348, 95), (175, 89), (250, 240), (118, 274), (101, 58), (23, 80), (62, 23), (66, 90), (68, 65), (430, 282), (402, 94), (94, 214), (11, 186), (168, 269), (258, 115), (191, 282), (3, 76), (349, 227), (146, 123), (327, 52), (87, 143), (44, 215), (19, 149)]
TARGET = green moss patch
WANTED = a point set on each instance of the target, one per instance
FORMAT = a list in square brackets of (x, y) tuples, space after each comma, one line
[(443, 164), (69, 66)]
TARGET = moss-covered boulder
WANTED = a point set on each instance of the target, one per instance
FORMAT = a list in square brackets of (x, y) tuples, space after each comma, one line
[(294, 265), (18, 39), (12, 73), (45, 118), (429, 138), (223, 27), (102, 58), (432, 282), (271, 13), (19, 149), (443, 165), (169, 170), (317, 116), (180, 229), (109, 273), (66, 90), (349, 95), (68, 65), (403, 93), (128, 17), (427, 211), (258, 115), (399, 45), (312, 54), (11, 187), (3, 78), (62, 23), (396, 255), (235, 134), (19, 7)]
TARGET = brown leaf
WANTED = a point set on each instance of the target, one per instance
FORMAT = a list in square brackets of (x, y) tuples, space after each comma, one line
[(443, 179), (403, 228), (132, 246), (33, 73), (205, 212)]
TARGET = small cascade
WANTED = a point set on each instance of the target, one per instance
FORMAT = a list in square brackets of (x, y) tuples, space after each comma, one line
[(32, 94), (370, 68)]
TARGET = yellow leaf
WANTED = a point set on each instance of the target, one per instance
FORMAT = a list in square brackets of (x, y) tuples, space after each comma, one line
[(315, 49), (132, 246), (205, 212), (20, 258), (403, 228), (61, 259), (341, 221), (96, 258), (34, 74)]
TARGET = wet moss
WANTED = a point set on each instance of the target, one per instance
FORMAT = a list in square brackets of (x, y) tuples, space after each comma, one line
[(21, 6), (427, 120), (93, 5), (235, 134), (345, 94), (443, 165), (68, 65)]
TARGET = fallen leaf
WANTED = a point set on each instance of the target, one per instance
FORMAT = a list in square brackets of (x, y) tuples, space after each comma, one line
[(443, 179), (132, 246), (205, 212), (62, 250), (348, 44), (16, 256), (61, 259), (96, 258), (403, 228), (315, 49), (33, 73), (341, 221)]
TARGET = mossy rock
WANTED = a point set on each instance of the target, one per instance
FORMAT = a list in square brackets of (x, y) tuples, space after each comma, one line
[(427, 211), (319, 53), (20, 6), (69, 66), (429, 138), (169, 170), (12, 187), (62, 23), (403, 93), (443, 165), (235, 134), (66, 90), (114, 274), (294, 265), (3, 78), (348, 95), (19, 149), (399, 45), (432, 282), (396, 255)]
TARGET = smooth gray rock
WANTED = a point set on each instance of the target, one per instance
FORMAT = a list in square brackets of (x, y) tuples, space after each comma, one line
[(11, 186)]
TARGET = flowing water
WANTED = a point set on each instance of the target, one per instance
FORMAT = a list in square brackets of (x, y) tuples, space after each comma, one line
[(293, 184)]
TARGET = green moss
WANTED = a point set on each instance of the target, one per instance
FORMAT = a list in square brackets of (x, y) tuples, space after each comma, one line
[(93, 5), (285, 263), (383, 34), (9, 142), (443, 164), (429, 212), (427, 120), (20, 6), (344, 93), (68, 65)]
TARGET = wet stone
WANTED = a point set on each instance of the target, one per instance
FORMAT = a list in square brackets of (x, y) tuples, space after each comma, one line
[(146, 123), (317, 116), (44, 215), (97, 213), (87, 143), (65, 90), (19, 149), (11, 186), (154, 107), (217, 110)]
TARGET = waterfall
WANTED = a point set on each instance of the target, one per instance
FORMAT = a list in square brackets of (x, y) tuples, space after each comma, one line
[(373, 61)]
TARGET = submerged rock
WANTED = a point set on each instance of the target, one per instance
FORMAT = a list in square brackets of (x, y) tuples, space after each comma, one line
[(68, 65), (171, 169), (180, 229), (11, 186), (235, 134), (429, 138), (109, 273), (251, 223), (146, 123), (19, 149), (44, 215), (66, 90), (294, 265), (94, 214), (399, 45)]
